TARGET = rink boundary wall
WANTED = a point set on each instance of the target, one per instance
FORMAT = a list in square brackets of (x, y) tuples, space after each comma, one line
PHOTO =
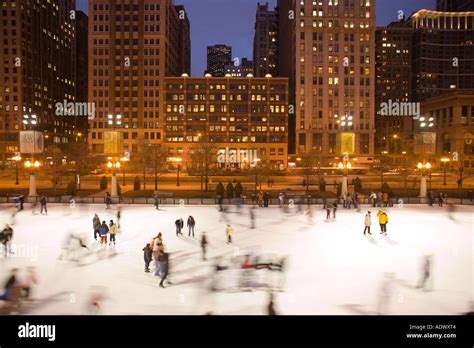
[(225, 201)]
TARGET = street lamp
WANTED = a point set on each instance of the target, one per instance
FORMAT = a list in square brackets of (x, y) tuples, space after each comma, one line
[(124, 159), (254, 164), (17, 159), (31, 166), (424, 168), (345, 167), (114, 167), (178, 161), (444, 160)]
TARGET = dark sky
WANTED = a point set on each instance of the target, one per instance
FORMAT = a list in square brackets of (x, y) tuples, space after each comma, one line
[(231, 22)]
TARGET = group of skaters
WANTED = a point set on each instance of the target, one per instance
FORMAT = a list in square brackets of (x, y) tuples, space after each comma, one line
[(17, 289), (381, 199), (155, 252), (442, 198), (383, 221), (102, 230), (179, 223)]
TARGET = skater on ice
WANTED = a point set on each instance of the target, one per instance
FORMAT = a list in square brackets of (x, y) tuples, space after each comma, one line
[(229, 233), (113, 231), (6, 235), (203, 245), (368, 223), (190, 224), (43, 203), (383, 221), (179, 223), (96, 225), (147, 256), (103, 231)]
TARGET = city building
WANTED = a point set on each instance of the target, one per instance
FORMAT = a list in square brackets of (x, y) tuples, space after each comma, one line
[(451, 134), (240, 70), (454, 5), (218, 56), (334, 48), (265, 42), (184, 53), (394, 133), (286, 65), (133, 46), (38, 65), (239, 117), (82, 53), (443, 53)]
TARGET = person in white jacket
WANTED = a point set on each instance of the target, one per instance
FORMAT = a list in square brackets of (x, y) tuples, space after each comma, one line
[(368, 222), (113, 232)]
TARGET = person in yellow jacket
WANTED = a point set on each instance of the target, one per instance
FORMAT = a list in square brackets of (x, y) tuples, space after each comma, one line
[(229, 231), (383, 220)]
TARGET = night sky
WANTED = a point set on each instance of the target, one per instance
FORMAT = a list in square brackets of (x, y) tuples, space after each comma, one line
[(231, 22)]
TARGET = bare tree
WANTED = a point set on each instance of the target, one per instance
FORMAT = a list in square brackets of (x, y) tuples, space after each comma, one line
[(202, 158)]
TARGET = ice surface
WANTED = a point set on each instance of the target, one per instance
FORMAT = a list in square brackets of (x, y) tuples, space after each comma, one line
[(332, 268)]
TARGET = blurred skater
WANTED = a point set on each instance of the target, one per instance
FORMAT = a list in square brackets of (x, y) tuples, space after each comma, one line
[(271, 305), (179, 223), (203, 245), (156, 202), (165, 270), (6, 235), (43, 203), (425, 273), (334, 209), (229, 233), (252, 217), (30, 281), (385, 293)]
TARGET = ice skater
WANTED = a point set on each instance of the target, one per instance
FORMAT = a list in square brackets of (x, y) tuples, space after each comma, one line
[(96, 225), (6, 235), (43, 203), (328, 211), (103, 231), (334, 209), (156, 202), (271, 305), (383, 221), (203, 245), (385, 294), (367, 222), (179, 223), (229, 231), (108, 200), (425, 273), (190, 224), (147, 257), (119, 216), (165, 269), (252, 217), (113, 231)]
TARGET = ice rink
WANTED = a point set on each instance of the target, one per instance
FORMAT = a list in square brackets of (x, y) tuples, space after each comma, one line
[(332, 267)]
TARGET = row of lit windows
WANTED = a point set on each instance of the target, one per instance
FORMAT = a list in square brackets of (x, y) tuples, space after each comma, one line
[(231, 139)]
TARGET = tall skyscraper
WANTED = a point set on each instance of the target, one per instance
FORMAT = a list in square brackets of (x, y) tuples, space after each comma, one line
[(38, 65), (334, 51), (133, 47), (454, 5), (265, 42), (218, 56), (449, 67), (82, 53), (393, 46), (184, 40), (240, 70)]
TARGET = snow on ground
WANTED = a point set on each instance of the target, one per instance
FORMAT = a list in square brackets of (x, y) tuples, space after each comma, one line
[(332, 268)]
